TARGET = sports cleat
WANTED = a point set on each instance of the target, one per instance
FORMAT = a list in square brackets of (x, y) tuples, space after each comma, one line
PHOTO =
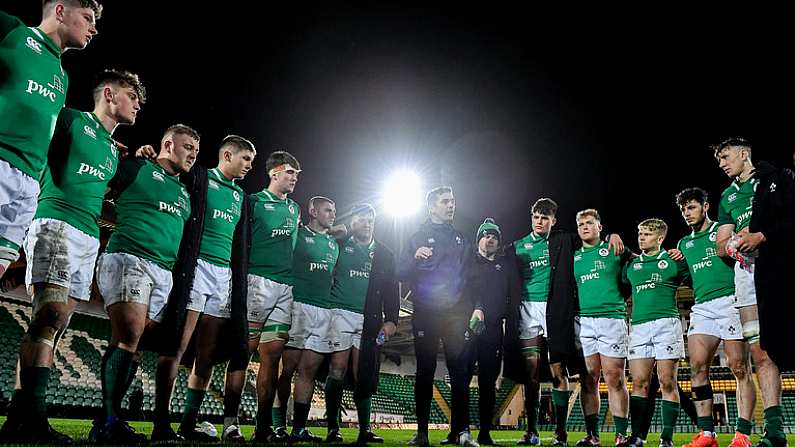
[(484, 438), (703, 439), (740, 440), (198, 434), (368, 437), (334, 436), (282, 435), (232, 433), (530, 438), (267, 436), (560, 439), (621, 440), (420, 439), (35, 432), (635, 441), (771, 442), (117, 431), (12, 428), (465, 439), (304, 435), (165, 433), (589, 440), (666, 443)]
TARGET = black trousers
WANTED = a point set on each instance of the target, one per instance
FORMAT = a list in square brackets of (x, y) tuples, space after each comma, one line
[(489, 359), (452, 328)]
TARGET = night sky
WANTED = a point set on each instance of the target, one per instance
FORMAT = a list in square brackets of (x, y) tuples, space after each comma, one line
[(612, 109)]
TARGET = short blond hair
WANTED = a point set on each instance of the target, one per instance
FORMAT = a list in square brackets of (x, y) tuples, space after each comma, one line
[(588, 212), (656, 225)]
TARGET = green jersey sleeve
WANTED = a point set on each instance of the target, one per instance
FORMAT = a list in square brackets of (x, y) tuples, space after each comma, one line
[(8, 23), (723, 215), (60, 141), (125, 175), (683, 271)]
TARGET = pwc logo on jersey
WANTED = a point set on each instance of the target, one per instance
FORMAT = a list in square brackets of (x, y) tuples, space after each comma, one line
[(744, 216), (281, 232), (33, 44), (645, 286), (543, 262), (313, 266), (169, 208), (358, 274), (223, 215), (49, 90), (702, 264), (89, 131), (90, 170), (588, 276)]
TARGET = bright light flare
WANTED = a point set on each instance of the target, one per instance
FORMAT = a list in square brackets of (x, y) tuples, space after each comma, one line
[(403, 194)]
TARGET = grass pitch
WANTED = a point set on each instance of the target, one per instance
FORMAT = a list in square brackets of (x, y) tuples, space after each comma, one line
[(78, 429)]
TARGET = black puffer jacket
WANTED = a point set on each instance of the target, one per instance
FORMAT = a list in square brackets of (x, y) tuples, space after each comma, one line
[(774, 216)]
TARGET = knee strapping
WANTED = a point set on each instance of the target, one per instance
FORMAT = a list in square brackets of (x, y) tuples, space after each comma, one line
[(274, 332), (751, 331), (703, 392), (43, 333), (336, 374), (531, 352)]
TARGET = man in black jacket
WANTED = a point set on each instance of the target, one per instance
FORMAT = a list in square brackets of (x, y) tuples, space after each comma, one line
[(774, 218), (544, 316), (433, 266), (489, 286)]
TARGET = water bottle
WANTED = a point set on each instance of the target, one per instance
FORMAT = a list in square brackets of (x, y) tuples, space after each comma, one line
[(381, 339)]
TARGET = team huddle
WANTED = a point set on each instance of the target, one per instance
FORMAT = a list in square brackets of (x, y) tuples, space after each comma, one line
[(204, 274)]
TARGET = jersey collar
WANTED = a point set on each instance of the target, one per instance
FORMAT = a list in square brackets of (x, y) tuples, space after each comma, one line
[(601, 244), (660, 255)]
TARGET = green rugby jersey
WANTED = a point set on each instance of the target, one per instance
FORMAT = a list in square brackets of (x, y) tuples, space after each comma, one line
[(32, 92), (274, 230), (83, 159), (597, 271), (533, 253), (314, 258), (713, 276), (352, 276), (151, 211), (654, 281), (736, 204), (224, 200)]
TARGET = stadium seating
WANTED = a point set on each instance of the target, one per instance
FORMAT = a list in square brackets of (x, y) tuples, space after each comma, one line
[(75, 390)]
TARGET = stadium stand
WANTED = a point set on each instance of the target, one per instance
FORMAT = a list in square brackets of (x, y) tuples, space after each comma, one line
[(75, 391)]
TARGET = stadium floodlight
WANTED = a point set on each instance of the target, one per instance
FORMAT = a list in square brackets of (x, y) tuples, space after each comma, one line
[(403, 194)]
